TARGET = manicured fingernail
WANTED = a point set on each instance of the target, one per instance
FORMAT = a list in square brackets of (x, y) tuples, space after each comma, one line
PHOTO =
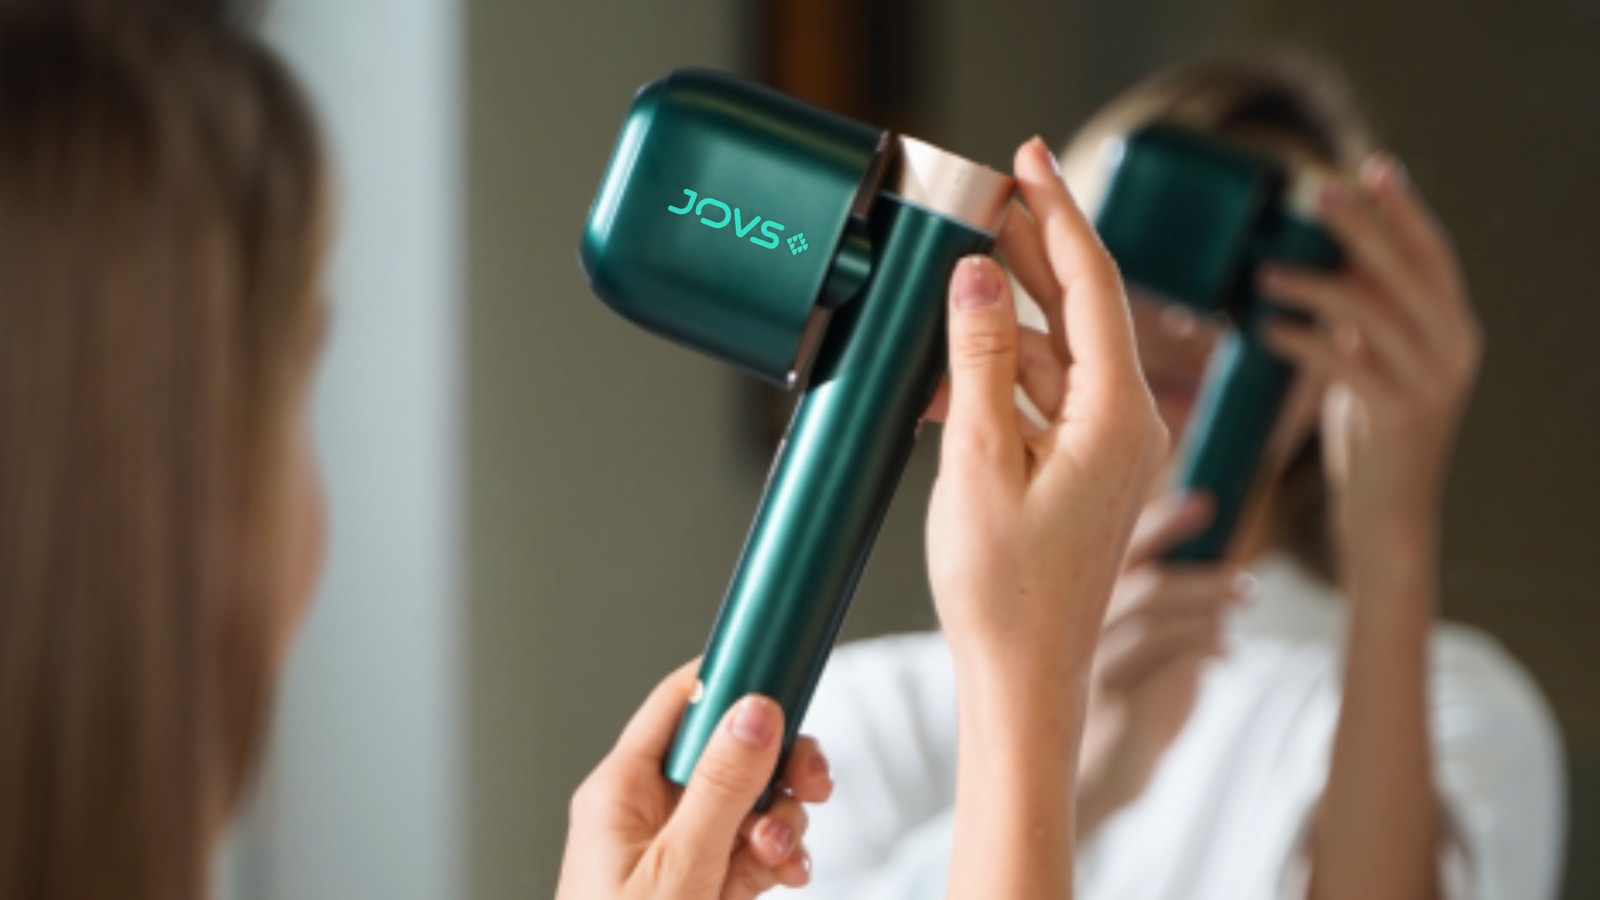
[(776, 834), (1055, 161), (755, 721), (977, 285)]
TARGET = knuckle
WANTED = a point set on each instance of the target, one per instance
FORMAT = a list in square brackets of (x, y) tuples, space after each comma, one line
[(590, 798), (719, 775), (971, 444), (668, 865), (748, 879), (979, 348)]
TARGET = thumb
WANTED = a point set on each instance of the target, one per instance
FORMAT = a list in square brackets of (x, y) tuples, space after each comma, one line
[(735, 768), (983, 358)]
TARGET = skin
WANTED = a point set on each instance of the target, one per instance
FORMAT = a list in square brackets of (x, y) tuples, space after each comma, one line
[(1027, 526), (1023, 622), (1389, 368)]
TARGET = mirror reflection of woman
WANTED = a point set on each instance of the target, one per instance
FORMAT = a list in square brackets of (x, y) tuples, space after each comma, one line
[(1300, 723)]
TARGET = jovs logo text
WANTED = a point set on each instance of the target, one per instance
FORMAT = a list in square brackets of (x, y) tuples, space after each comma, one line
[(720, 214)]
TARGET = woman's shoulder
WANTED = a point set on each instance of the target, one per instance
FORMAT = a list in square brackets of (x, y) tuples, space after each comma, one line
[(1473, 670)]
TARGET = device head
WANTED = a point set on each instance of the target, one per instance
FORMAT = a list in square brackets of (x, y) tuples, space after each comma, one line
[(722, 213), (1188, 216)]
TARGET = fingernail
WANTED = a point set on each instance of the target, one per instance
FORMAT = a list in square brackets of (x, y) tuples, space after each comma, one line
[(977, 287), (819, 765), (778, 834), (755, 721)]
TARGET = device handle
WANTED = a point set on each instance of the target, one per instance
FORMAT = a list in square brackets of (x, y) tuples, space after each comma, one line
[(1237, 409), (836, 472)]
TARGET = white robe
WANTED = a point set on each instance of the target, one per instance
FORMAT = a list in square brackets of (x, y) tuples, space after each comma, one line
[(1225, 815)]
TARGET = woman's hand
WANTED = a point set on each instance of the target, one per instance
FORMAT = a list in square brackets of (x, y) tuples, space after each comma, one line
[(1398, 343), (1163, 626), (1028, 528), (633, 834)]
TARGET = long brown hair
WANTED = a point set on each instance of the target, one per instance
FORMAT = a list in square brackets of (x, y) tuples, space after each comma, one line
[(161, 226), (1291, 96)]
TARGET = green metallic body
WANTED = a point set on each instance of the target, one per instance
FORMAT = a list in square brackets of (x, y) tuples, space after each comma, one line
[(700, 271), (705, 277), (835, 475), (1191, 219)]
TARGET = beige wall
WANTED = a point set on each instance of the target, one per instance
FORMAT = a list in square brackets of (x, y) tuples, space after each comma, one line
[(607, 502)]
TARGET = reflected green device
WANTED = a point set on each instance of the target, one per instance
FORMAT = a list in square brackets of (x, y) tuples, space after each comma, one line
[(1191, 217), (806, 249)]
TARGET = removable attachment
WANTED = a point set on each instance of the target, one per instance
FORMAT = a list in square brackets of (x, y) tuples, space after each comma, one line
[(722, 213)]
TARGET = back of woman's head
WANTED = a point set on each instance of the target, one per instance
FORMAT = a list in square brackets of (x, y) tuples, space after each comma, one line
[(160, 230), (1290, 103)]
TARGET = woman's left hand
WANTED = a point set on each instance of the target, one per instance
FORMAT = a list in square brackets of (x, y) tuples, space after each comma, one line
[(1398, 344)]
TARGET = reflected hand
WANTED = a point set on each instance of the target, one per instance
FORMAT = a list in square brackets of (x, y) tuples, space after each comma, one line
[(1398, 343), (1163, 625), (633, 834)]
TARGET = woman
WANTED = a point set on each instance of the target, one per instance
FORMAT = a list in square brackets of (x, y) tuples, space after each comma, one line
[(1297, 724), (163, 210)]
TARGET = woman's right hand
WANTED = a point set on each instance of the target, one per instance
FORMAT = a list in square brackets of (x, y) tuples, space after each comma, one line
[(1028, 528), (1164, 624)]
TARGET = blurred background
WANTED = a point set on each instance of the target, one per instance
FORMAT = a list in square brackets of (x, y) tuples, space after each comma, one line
[(536, 506)]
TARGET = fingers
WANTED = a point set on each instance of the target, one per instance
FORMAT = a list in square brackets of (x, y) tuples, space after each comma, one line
[(1098, 331), (774, 836), (1154, 591), (983, 366), (1414, 225), (1129, 659), (748, 878), (1040, 373), (1022, 247), (1370, 240), (731, 775), (1168, 522), (807, 777), (1321, 356), (1336, 300), (1448, 321)]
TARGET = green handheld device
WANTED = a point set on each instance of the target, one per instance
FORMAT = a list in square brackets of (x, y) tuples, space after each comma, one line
[(1190, 217), (802, 247)]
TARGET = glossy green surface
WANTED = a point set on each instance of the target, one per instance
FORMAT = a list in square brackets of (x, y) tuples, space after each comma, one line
[(1191, 220), (835, 475), (720, 211)]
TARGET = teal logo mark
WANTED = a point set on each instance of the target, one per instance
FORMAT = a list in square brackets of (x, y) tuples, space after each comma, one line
[(714, 213), (798, 245)]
